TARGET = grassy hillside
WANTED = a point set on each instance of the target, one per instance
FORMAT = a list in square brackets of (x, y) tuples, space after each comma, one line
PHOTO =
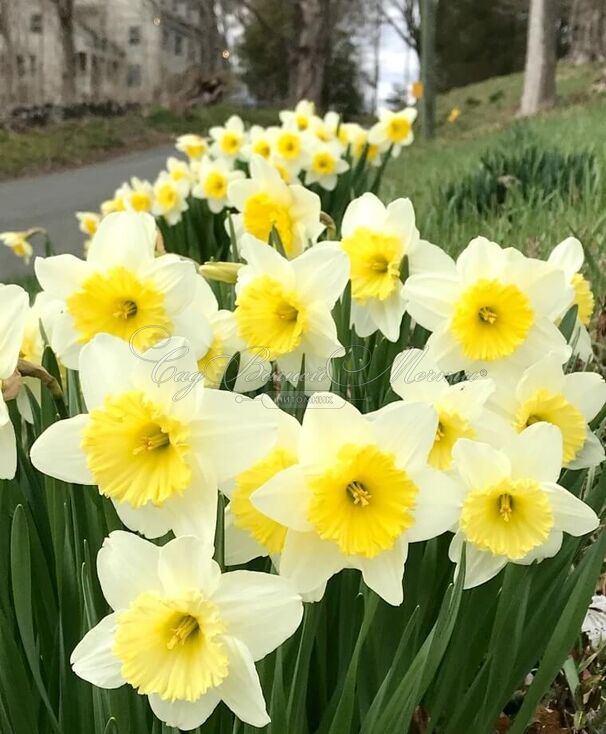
[(535, 218)]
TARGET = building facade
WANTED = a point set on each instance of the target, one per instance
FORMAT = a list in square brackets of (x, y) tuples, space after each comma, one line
[(125, 50)]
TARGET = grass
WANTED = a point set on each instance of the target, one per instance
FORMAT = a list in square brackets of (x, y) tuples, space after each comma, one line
[(535, 222), (70, 143)]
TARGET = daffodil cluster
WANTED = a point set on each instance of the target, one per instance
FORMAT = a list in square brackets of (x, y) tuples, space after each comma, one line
[(338, 390)]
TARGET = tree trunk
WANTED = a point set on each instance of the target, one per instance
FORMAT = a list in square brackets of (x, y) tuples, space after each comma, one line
[(539, 75), (311, 49), (65, 14), (588, 31), (428, 62)]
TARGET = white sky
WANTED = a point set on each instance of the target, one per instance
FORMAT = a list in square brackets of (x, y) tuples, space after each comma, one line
[(398, 64)]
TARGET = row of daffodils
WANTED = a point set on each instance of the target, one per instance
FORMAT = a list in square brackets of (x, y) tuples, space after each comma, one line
[(470, 437)]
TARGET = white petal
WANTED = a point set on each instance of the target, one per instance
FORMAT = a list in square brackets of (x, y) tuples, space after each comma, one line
[(480, 566), (58, 453), (321, 339), (14, 310), (387, 314), (127, 566), (264, 260), (480, 259), (547, 550), (546, 374), (321, 273), (329, 423), (93, 659), (285, 499), (383, 573), (591, 453), (415, 376), (241, 690), (536, 453), (570, 514), (61, 275), (174, 278), (8, 450), (105, 366), (447, 352), (65, 341), (194, 512), (149, 520), (438, 504), (430, 298), (185, 715), (124, 238), (586, 391), (234, 432), (428, 257), (365, 211), (240, 546), (479, 464), (187, 563), (259, 609), (568, 256), (308, 561), (407, 430)]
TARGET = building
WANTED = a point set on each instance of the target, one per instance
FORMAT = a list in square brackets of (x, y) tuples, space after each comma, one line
[(125, 50)]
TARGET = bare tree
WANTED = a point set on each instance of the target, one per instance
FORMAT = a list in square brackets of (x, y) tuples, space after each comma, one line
[(588, 31), (404, 17), (539, 75), (313, 19), (65, 14)]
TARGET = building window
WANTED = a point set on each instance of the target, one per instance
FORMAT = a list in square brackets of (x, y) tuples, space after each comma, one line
[(134, 35), (81, 61), (178, 44), (20, 66), (133, 76), (32, 64), (35, 23), (166, 39)]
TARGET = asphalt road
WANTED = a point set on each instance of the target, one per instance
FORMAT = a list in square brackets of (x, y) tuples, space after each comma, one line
[(50, 201)]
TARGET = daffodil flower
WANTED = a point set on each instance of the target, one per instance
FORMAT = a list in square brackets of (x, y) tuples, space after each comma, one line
[(325, 165), (393, 130), (138, 196), (301, 116), (415, 377), (377, 240), (170, 197), (213, 180), (283, 308), (194, 146), (14, 307), (493, 310), (543, 392), (513, 510), (155, 440), (267, 203), (121, 289), (359, 494), (183, 633), (248, 532), (229, 139), (18, 242), (569, 257)]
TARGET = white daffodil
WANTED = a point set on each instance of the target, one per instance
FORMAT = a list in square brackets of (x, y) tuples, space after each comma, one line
[(283, 309), (376, 239), (513, 510), (301, 116), (361, 492), (393, 130), (180, 170), (88, 222), (260, 141), (155, 440), (214, 177), (228, 139), (183, 633), (267, 203), (115, 204), (248, 532), (194, 146), (569, 257), (19, 244), (460, 407), (170, 198), (253, 371), (494, 310), (121, 289), (138, 196), (289, 147), (325, 165), (357, 137), (14, 307), (568, 401)]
